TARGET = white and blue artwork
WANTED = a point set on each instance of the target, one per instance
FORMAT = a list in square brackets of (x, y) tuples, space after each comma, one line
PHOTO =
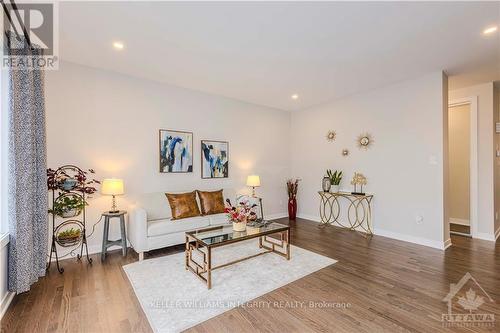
[(176, 151), (214, 159)]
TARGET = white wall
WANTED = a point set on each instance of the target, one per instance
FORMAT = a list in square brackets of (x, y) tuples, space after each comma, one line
[(486, 151), (110, 122), (405, 166)]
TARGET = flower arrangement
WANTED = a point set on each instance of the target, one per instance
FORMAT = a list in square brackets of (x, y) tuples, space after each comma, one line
[(240, 213), (292, 185)]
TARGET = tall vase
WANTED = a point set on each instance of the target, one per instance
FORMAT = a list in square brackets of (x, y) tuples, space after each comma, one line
[(326, 184), (292, 208)]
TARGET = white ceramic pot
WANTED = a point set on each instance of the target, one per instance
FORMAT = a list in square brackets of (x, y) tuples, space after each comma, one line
[(70, 213), (239, 226), (335, 188)]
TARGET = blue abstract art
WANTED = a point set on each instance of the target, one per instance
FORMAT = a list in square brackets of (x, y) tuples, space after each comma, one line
[(214, 159), (176, 151)]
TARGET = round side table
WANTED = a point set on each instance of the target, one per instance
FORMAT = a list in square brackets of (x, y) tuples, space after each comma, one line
[(106, 243)]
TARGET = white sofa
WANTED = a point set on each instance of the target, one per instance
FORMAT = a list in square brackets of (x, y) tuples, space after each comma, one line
[(150, 224)]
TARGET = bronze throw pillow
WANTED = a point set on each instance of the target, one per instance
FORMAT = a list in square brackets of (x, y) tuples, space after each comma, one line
[(211, 202), (183, 205)]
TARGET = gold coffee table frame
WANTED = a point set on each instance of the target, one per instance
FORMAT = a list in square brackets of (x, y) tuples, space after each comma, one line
[(197, 243), (359, 212)]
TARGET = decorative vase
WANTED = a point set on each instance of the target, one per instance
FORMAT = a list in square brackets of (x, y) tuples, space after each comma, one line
[(335, 188), (292, 208), (240, 226), (326, 184)]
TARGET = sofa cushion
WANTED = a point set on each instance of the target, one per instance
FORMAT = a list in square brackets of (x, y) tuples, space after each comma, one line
[(211, 202), (218, 219), (169, 226), (183, 205), (156, 204)]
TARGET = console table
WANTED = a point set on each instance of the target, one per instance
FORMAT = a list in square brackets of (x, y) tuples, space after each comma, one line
[(359, 211)]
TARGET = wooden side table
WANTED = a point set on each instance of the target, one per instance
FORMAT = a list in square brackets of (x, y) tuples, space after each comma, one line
[(106, 243)]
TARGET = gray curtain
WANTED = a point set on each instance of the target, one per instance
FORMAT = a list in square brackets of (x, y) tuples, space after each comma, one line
[(27, 196)]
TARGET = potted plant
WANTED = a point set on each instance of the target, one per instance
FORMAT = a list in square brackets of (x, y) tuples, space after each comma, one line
[(335, 178), (240, 214), (71, 179), (68, 206), (69, 237)]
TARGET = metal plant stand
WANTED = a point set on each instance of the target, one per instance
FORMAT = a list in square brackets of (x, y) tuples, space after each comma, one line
[(68, 228)]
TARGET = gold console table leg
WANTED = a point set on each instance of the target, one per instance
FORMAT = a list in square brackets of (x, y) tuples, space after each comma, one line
[(359, 211)]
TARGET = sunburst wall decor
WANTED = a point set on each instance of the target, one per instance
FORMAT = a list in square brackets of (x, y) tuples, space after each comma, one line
[(331, 136), (365, 141)]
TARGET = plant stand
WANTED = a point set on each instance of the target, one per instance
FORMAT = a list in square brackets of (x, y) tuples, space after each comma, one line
[(73, 226)]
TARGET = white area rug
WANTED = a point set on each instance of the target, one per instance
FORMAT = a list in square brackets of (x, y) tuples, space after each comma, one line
[(175, 299)]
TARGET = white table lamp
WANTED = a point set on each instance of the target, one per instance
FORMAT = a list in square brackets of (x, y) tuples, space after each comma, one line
[(113, 187), (253, 181)]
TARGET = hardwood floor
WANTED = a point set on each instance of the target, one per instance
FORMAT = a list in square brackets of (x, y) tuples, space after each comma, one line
[(390, 286)]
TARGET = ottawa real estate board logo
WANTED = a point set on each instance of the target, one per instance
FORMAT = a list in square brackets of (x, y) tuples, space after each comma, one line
[(467, 302), (30, 36)]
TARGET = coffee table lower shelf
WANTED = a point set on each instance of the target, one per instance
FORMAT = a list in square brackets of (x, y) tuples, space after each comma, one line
[(203, 270)]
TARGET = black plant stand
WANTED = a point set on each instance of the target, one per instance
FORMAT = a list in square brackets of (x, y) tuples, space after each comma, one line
[(72, 187)]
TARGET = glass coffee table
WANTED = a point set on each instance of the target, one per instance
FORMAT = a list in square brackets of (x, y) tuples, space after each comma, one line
[(199, 244)]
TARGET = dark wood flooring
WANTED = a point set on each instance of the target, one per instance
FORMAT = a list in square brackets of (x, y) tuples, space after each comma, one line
[(391, 286)]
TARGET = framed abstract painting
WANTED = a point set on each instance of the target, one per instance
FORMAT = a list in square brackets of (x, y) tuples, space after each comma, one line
[(176, 151), (214, 159)]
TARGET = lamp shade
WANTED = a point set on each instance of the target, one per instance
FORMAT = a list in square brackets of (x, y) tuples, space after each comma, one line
[(112, 186), (253, 181)]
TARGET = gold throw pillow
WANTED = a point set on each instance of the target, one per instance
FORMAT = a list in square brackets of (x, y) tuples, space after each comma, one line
[(183, 205), (211, 202)]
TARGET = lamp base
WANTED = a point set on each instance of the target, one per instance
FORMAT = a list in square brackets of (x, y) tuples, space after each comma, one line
[(113, 209)]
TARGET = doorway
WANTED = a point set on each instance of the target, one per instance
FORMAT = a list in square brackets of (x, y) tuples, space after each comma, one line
[(462, 168)]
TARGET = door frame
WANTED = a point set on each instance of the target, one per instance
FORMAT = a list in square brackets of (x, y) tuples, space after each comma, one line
[(473, 163)]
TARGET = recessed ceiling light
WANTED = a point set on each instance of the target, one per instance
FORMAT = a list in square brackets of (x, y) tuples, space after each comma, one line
[(295, 96), (118, 45), (490, 30)]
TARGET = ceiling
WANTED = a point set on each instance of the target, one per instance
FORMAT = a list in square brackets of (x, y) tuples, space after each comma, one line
[(263, 52)]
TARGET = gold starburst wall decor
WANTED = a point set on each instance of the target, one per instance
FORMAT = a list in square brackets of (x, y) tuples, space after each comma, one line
[(365, 141), (331, 136)]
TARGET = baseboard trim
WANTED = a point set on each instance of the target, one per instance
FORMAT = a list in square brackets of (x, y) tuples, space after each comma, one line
[(309, 217), (4, 305), (447, 243), (485, 236), (459, 221), (271, 217), (393, 235), (411, 239)]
